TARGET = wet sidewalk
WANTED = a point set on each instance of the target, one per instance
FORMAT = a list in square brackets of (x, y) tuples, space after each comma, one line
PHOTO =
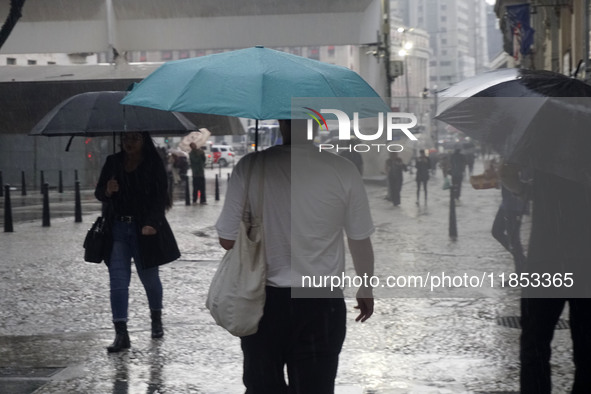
[(55, 315)]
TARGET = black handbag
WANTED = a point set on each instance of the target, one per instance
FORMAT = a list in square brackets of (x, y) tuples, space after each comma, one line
[(95, 241)]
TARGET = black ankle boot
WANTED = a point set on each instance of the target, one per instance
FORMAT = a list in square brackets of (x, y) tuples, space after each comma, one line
[(157, 331), (121, 338)]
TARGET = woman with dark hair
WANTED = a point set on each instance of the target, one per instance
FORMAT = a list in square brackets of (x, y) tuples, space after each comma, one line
[(134, 190)]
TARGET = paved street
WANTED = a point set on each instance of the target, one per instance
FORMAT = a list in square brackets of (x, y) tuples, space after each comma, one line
[(55, 316)]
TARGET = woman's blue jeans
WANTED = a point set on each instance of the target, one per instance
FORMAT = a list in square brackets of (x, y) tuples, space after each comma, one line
[(125, 247)]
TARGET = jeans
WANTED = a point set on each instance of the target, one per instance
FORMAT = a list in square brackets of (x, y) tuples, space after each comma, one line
[(304, 334), (125, 246)]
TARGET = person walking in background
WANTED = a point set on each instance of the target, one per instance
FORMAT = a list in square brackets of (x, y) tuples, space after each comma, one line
[(423, 166), (444, 164), (197, 157), (469, 150), (134, 191), (173, 169), (306, 211), (457, 163), (394, 173), (470, 159)]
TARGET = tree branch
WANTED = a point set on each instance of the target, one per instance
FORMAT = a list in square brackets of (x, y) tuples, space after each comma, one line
[(16, 7)]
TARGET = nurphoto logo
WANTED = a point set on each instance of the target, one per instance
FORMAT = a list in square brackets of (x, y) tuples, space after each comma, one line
[(345, 130)]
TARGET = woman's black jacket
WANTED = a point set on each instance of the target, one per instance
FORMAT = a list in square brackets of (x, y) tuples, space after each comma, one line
[(148, 195)]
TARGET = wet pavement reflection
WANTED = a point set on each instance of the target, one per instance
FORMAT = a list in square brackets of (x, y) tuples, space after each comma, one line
[(54, 309)]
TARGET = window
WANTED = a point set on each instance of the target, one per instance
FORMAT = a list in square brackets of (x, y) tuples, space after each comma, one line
[(11, 61), (31, 62), (50, 63), (314, 53), (166, 55)]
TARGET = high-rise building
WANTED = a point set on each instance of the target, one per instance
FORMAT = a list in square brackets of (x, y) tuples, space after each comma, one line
[(457, 32)]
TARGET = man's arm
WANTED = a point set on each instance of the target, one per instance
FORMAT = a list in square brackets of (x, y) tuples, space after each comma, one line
[(363, 261)]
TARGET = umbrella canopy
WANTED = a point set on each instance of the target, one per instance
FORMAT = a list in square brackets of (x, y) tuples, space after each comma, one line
[(199, 138), (538, 119), (100, 113), (257, 83)]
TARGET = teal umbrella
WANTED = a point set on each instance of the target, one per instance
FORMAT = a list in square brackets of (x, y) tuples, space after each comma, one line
[(257, 83)]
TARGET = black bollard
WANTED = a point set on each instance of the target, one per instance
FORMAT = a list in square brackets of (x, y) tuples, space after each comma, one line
[(46, 222), (7, 211), (42, 181), (1, 188), (77, 204), (228, 177), (60, 186), (23, 184), (187, 191), (217, 188), (75, 175), (453, 228)]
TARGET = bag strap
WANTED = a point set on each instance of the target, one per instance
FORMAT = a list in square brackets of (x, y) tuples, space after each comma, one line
[(246, 211)]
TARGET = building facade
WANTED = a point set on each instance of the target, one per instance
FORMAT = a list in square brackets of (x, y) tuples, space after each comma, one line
[(561, 38)]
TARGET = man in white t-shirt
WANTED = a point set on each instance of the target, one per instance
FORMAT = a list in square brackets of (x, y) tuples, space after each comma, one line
[(311, 201)]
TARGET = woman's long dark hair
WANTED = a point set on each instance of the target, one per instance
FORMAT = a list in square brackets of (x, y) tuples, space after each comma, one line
[(154, 161)]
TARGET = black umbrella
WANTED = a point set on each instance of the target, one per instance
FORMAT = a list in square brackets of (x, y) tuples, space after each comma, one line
[(95, 114), (538, 119)]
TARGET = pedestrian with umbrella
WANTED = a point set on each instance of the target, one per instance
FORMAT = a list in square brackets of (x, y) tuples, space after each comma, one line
[(260, 83), (134, 191), (394, 169), (197, 158), (539, 121)]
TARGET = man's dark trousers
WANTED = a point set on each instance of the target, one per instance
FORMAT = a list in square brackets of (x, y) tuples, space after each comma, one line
[(306, 334), (538, 320), (199, 185)]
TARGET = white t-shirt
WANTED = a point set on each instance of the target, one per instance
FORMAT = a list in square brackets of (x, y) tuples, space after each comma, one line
[(311, 199)]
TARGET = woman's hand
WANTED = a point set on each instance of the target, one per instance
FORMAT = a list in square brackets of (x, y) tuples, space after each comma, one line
[(148, 230), (112, 187)]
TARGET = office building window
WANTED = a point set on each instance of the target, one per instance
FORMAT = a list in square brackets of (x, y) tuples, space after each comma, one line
[(11, 61), (314, 53)]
